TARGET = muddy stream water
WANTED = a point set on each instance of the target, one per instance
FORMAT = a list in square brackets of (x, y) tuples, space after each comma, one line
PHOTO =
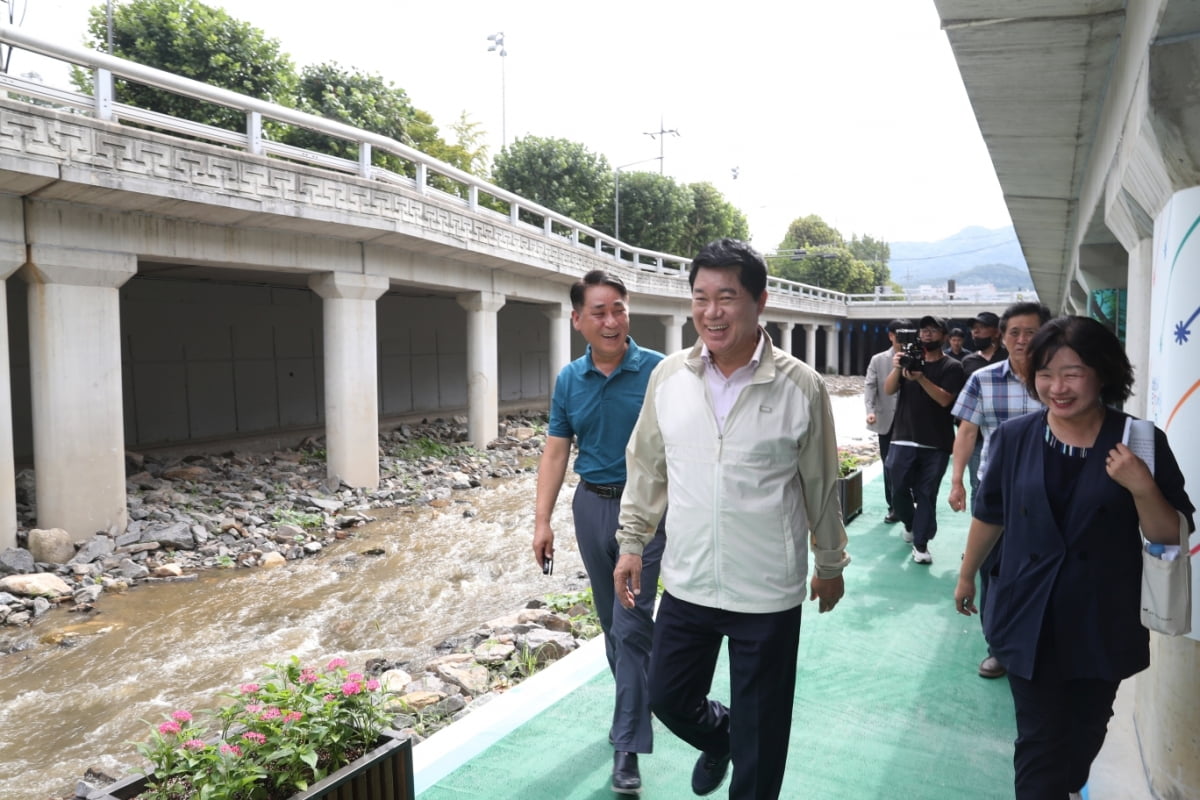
[(85, 686)]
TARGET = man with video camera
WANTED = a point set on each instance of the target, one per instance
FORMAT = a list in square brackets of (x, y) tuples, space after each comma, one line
[(923, 430)]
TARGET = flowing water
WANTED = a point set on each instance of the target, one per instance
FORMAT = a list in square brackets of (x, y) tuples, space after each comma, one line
[(86, 686)]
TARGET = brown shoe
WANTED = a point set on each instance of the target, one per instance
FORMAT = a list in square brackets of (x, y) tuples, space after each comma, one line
[(991, 667)]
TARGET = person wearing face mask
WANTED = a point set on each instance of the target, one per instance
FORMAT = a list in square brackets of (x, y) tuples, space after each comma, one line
[(989, 350), (922, 433)]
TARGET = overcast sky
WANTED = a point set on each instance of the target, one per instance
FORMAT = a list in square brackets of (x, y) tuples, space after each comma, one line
[(850, 109)]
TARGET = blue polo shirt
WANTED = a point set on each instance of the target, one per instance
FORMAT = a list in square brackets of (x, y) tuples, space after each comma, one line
[(599, 411)]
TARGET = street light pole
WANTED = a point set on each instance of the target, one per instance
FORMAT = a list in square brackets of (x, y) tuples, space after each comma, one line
[(497, 43), (617, 192)]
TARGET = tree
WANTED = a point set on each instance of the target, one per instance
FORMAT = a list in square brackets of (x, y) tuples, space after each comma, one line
[(831, 267), (561, 175), (196, 41), (362, 101), (654, 211), (469, 138), (810, 231), (712, 217), (875, 253)]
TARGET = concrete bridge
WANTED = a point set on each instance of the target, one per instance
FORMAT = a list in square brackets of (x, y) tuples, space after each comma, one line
[(186, 283)]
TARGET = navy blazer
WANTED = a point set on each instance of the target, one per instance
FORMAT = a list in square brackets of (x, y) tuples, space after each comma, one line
[(1084, 578)]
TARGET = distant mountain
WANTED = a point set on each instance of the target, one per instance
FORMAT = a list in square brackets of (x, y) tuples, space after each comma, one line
[(971, 256)]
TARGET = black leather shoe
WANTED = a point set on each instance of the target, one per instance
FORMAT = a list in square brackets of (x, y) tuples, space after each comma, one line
[(891, 517), (709, 773), (626, 778)]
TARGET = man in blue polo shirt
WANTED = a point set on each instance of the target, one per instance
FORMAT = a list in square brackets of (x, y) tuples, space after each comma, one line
[(596, 402)]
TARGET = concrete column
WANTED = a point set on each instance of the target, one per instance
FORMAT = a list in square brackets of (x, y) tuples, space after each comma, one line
[(12, 256), (785, 336), (351, 375), (831, 348), (483, 384), (847, 351), (1137, 323), (673, 323), (560, 338), (810, 344), (75, 383)]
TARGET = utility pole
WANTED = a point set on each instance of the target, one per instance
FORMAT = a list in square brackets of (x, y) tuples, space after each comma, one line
[(661, 135)]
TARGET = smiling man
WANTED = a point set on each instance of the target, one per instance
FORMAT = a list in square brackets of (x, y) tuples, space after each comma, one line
[(596, 402), (737, 438), (990, 396)]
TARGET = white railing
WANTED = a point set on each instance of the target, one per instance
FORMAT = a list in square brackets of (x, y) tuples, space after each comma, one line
[(456, 186), (998, 299)]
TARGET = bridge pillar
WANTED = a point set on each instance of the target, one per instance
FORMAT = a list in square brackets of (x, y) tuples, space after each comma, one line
[(831, 349), (560, 338), (847, 351), (673, 324), (351, 375), (76, 387), (12, 256), (483, 386), (810, 344), (785, 336)]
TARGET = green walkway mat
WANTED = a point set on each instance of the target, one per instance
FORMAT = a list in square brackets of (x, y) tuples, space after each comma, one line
[(888, 702)]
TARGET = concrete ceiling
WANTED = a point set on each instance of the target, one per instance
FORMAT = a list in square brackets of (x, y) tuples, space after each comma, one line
[(1036, 72)]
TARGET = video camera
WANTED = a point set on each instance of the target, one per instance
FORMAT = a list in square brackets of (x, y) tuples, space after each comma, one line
[(912, 355)]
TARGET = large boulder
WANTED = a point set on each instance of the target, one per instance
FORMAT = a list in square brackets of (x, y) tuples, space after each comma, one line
[(39, 584), (16, 561), (51, 545)]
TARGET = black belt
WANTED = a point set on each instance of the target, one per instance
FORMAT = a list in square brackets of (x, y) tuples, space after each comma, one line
[(607, 492)]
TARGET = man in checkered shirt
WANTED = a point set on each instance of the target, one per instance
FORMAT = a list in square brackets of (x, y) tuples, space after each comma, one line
[(990, 396)]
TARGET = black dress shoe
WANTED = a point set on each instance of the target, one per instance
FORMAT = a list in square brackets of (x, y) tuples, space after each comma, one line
[(891, 517), (626, 778), (709, 773)]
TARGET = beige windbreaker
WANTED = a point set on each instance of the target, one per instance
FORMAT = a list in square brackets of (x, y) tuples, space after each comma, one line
[(741, 504)]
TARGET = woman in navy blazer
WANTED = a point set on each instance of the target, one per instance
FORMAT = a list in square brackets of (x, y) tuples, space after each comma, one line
[(1063, 614)]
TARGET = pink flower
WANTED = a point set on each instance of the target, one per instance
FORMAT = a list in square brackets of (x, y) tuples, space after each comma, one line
[(293, 716), (254, 736), (194, 744), (372, 685), (230, 750), (309, 676), (337, 663), (354, 676), (351, 687), (329, 698), (254, 708), (169, 727), (248, 688), (181, 716), (271, 713)]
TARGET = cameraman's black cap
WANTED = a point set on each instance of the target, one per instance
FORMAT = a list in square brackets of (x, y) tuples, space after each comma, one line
[(898, 324), (987, 319), (933, 322)]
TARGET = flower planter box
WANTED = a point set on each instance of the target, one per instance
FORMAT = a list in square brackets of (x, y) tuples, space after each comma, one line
[(385, 773), (850, 493)]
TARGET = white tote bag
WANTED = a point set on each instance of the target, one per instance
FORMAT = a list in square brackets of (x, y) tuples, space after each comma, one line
[(1167, 588)]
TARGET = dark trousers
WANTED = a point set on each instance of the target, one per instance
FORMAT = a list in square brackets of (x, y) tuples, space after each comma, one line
[(628, 632), (988, 570), (919, 471), (1061, 724), (755, 727), (885, 442)]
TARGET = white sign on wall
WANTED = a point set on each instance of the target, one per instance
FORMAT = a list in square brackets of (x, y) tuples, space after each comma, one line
[(1174, 367)]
